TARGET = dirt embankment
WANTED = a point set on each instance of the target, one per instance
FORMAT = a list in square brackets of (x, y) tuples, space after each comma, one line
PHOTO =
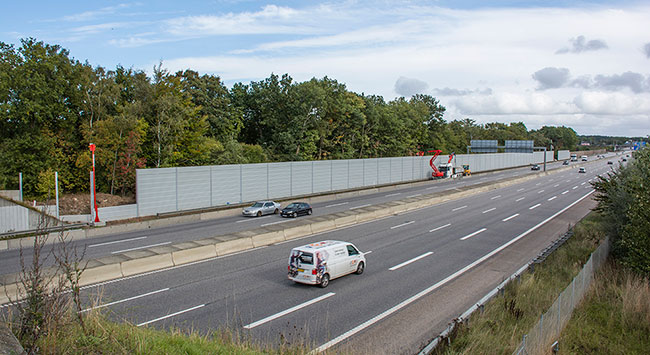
[(80, 203)]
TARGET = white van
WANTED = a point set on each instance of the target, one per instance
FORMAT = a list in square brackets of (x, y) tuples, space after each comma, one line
[(584, 158), (318, 263)]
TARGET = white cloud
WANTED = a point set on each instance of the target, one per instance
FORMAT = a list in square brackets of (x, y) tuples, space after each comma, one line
[(450, 50), (410, 86)]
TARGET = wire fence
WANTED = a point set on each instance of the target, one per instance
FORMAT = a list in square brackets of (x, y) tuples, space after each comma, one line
[(542, 336)]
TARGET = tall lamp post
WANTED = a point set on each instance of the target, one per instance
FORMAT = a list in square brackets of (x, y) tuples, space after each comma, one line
[(92, 150)]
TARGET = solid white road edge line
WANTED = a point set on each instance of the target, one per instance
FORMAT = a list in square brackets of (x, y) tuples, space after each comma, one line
[(125, 300), (428, 290), (402, 225), (439, 228), (337, 204), (285, 312), (172, 315), (473, 234), (362, 206), (410, 261), (116, 241), (272, 223), (509, 218), (248, 219), (138, 248)]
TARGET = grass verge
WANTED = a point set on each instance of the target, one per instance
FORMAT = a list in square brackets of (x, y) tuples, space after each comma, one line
[(505, 319), (103, 336), (614, 317)]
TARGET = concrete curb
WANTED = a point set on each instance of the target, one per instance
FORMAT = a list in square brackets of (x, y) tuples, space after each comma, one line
[(158, 258)]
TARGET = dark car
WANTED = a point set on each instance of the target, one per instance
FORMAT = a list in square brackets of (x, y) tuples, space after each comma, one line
[(610, 162), (566, 162), (534, 167), (296, 209)]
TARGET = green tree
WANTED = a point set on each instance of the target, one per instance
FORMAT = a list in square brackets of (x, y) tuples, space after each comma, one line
[(624, 200)]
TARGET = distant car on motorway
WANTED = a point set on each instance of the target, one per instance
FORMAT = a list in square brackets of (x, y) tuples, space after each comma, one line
[(534, 167), (260, 208), (296, 209), (610, 162), (624, 159), (582, 170), (566, 162)]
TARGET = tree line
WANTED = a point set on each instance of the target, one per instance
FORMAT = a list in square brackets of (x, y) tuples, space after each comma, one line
[(52, 106)]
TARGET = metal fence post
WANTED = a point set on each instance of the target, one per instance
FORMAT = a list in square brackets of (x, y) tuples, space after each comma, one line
[(56, 189), (20, 183)]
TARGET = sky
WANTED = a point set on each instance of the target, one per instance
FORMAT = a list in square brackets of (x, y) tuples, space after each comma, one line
[(581, 64)]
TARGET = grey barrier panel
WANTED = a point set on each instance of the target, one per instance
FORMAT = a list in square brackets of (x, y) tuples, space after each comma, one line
[(395, 169), (225, 184), (13, 217), (253, 182), (115, 213), (384, 171), (370, 172), (356, 173), (301, 178), (156, 189), (171, 189), (407, 168), (563, 154), (339, 174), (279, 180), (193, 187), (322, 181)]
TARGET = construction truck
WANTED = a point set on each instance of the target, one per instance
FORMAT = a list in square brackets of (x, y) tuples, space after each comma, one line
[(445, 170)]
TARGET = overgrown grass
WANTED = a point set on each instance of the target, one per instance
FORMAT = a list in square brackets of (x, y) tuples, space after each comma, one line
[(103, 336), (614, 317), (501, 326)]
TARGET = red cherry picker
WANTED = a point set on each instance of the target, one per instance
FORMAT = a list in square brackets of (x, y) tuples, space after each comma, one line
[(445, 170)]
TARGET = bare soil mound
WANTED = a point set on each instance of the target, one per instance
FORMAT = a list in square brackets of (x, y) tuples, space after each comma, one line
[(80, 203)]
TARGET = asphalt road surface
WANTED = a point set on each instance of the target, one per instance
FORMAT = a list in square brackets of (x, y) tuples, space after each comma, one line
[(142, 239), (408, 256)]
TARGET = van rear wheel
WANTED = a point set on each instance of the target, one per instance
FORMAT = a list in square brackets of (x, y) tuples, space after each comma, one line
[(325, 280), (360, 268)]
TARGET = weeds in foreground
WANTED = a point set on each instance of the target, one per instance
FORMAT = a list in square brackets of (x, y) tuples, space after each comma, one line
[(614, 317)]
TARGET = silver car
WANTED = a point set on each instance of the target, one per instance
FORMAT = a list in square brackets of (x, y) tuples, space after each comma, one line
[(261, 208)]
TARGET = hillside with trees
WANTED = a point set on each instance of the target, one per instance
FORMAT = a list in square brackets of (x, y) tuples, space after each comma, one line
[(52, 106)]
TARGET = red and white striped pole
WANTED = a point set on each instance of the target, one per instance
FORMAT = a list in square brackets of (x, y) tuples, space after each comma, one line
[(92, 149)]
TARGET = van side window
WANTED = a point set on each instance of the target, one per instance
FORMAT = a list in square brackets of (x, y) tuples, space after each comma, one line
[(352, 250)]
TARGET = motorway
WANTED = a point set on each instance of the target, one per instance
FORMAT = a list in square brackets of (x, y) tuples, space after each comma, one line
[(409, 256), (156, 237)]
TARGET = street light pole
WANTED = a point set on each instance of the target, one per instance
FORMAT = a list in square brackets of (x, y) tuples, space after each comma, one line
[(92, 150)]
